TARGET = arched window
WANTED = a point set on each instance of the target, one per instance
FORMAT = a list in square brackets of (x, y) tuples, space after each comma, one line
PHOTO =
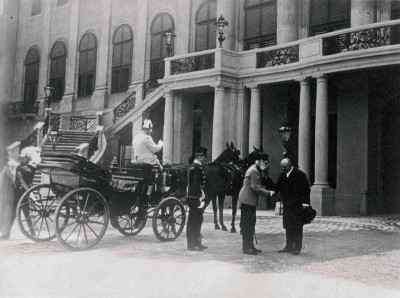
[(260, 24), (58, 58), (329, 15), (32, 64), (87, 65), (158, 50), (122, 59), (206, 30)]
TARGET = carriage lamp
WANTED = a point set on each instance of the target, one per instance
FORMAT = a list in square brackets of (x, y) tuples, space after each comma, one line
[(222, 25), (48, 91), (284, 132), (169, 35), (55, 137)]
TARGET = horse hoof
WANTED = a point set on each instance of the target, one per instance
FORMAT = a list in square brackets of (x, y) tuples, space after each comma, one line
[(224, 228), (233, 230), (217, 227)]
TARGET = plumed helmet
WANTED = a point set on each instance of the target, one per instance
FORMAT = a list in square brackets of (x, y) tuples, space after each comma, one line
[(147, 123)]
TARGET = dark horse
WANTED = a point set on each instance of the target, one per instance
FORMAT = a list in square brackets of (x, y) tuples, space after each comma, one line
[(225, 176)]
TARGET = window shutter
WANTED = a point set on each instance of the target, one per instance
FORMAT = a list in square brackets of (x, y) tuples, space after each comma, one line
[(202, 14), (212, 36), (126, 54), (91, 61), (319, 12), (268, 20), (117, 55), (155, 47), (201, 37), (252, 23), (339, 10)]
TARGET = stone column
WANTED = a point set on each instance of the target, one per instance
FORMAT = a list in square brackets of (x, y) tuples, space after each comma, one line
[(103, 57), (363, 12), (228, 10), (287, 21), (218, 122), (255, 118), (45, 54), (305, 128), (139, 49), (67, 102), (243, 112), (322, 196), (168, 136)]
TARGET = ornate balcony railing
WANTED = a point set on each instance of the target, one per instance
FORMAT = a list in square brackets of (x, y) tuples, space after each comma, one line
[(46, 124), (30, 140), (150, 86), (278, 57), (361, 39), (124, 107), (191, 64), (93, 146), (82, 123), (18, 108)]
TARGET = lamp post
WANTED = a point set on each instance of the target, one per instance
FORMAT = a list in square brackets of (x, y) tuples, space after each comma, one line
[(48, 91), (284, 132), (222, 25), (169, 35), (54, 136)]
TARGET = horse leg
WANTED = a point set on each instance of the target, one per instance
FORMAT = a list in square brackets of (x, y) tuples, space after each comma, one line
[(214, 205), (221, 199), (234, 209)]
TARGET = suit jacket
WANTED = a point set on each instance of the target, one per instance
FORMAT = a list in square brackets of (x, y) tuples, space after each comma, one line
[(252, 187), (144, 149), (196, 180), (295, 191)]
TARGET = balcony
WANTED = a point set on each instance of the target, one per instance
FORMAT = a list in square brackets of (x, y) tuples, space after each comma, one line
[(17, 109), (361, 47)]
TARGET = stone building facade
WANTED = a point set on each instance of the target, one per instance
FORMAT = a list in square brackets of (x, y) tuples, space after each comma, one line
[(328, 67)]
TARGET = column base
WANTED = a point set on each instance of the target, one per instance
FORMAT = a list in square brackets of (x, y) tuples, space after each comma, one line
[(66, 104), (323, 200), (99, 98)]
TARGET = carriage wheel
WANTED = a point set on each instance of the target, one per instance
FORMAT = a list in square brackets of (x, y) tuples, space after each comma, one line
[(87, 217), (169, 219), (132, 223), (35, 210)]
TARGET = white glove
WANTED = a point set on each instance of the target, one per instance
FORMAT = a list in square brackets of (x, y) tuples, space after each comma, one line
[(271, 193), (160, 143)]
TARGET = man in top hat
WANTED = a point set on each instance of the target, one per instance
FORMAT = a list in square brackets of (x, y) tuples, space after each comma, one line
[(295, 190), (195, 195), (248, 196), (144, 148)]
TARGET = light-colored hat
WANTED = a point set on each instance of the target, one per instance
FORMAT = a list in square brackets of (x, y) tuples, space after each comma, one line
[(33, 153), (147, 123)]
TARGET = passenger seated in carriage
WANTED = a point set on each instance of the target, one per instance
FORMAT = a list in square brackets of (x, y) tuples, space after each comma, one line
[(144, 149)]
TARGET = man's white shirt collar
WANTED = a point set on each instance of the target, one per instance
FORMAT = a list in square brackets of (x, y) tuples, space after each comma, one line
[(287, 174), (198, 162)]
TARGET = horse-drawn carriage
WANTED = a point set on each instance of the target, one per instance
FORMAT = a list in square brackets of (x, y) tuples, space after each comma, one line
[(79, 216)]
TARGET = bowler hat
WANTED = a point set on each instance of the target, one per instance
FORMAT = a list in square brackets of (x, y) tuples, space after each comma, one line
[(201, 150)]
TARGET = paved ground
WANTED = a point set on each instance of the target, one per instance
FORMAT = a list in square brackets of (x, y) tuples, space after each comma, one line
[(343, 257)]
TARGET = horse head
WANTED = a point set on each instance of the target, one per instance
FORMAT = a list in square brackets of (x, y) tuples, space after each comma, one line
[(251, 158), (230, 154)]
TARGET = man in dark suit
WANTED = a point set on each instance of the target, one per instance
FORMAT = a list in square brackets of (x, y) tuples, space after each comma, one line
[(195, 194), (295, 190)]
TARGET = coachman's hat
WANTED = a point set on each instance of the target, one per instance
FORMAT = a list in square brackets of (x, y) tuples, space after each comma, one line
[(201, 150), (261, 156)]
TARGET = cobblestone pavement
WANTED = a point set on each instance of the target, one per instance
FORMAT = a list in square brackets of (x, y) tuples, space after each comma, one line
[(342, 257)]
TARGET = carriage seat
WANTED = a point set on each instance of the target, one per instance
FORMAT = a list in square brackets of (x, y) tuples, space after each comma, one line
[(137, 170)]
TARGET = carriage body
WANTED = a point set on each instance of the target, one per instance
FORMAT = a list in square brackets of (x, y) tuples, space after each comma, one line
[(124, 196)]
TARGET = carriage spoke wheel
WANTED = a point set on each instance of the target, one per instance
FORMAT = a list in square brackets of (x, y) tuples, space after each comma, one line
[(81, 219), (132, 223), (169, 219), (35, 210)]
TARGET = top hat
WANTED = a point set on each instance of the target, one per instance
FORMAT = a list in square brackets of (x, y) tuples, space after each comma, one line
[(261, 156), (147, 123), (201, 150)]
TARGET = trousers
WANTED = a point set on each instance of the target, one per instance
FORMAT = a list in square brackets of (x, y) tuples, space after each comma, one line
[(248, 225)]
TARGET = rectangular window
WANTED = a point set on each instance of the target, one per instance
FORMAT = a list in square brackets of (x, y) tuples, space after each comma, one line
[(36, 7)]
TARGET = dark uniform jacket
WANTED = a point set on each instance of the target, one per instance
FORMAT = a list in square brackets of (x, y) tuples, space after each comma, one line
[(295, 192), (196, 181)]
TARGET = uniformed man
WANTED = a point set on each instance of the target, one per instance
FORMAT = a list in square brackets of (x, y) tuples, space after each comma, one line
[(195, 196), (144, 148)]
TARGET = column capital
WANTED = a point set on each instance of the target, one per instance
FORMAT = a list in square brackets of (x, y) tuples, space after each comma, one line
[(322, 77), (220, 86), (252, 86), (304, 81)]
